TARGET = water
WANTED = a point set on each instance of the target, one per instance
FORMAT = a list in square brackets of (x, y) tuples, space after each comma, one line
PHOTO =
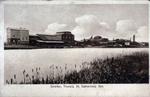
[(50, 59)]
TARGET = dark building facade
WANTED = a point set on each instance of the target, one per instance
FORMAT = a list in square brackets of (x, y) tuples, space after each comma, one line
[(60, 39), (66, 36)]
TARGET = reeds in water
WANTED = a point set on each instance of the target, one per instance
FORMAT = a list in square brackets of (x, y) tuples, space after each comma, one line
[(131, 68)]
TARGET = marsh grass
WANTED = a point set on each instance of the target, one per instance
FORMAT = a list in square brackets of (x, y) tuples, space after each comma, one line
[(132, 68)]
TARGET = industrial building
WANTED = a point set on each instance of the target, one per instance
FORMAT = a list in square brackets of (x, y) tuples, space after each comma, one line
[(17, 36), (94, 41), (99, 41), (60, 39), (20, 38)]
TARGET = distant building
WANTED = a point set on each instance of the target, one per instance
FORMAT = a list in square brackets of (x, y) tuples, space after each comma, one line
[(127, 43), (144, 44), (60, 39), (21, 38), (122, 43), (99, 41), (64, 36), (33, 39), (97, 38), (17, 36)]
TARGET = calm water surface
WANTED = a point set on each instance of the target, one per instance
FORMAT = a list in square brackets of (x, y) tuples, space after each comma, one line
[(18, 60)]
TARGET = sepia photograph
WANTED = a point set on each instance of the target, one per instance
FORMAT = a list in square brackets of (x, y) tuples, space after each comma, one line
[(76, 44)]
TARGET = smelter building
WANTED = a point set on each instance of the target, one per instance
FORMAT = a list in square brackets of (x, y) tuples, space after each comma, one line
[(60, 39), (17, 36)]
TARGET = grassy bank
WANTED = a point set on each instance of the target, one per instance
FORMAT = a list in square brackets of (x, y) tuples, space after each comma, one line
[(133, 68), (124, 69)]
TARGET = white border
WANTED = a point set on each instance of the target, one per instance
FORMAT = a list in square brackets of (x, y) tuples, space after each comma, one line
[(109, 90), (77, 2)]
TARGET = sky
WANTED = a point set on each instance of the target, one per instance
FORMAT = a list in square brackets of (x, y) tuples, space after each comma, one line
[(83, 20)]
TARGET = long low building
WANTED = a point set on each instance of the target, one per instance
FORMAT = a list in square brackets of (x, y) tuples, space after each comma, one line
[(60, 39), (20, 36)]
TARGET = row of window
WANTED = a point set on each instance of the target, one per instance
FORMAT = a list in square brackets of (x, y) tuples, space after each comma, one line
[(23, 38), (68, 37)]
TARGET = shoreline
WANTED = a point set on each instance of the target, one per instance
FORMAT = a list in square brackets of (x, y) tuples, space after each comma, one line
[(66, 48), (22, 47)]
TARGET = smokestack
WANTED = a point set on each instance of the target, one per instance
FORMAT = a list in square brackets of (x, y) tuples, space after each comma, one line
[(133, 38)]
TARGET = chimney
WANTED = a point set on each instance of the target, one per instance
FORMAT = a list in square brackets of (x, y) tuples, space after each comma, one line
[(133, 38)]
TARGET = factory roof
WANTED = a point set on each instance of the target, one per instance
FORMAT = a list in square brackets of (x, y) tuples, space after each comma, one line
[(41, 41), (17, 28), (49, 37), (63, 32)]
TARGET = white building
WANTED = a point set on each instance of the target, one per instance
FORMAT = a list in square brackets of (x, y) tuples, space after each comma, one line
[(17, 36)]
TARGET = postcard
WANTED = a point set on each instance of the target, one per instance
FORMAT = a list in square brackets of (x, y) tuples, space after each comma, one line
[(67, 49)]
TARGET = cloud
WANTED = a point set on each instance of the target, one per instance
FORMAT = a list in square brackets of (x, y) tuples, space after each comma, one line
[(125, 28), (86, 20), (142, 34), (55, 27), (105, 26), (89, 25)]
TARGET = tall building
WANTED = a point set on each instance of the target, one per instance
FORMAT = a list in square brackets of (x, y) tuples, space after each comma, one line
[(17, 36)]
